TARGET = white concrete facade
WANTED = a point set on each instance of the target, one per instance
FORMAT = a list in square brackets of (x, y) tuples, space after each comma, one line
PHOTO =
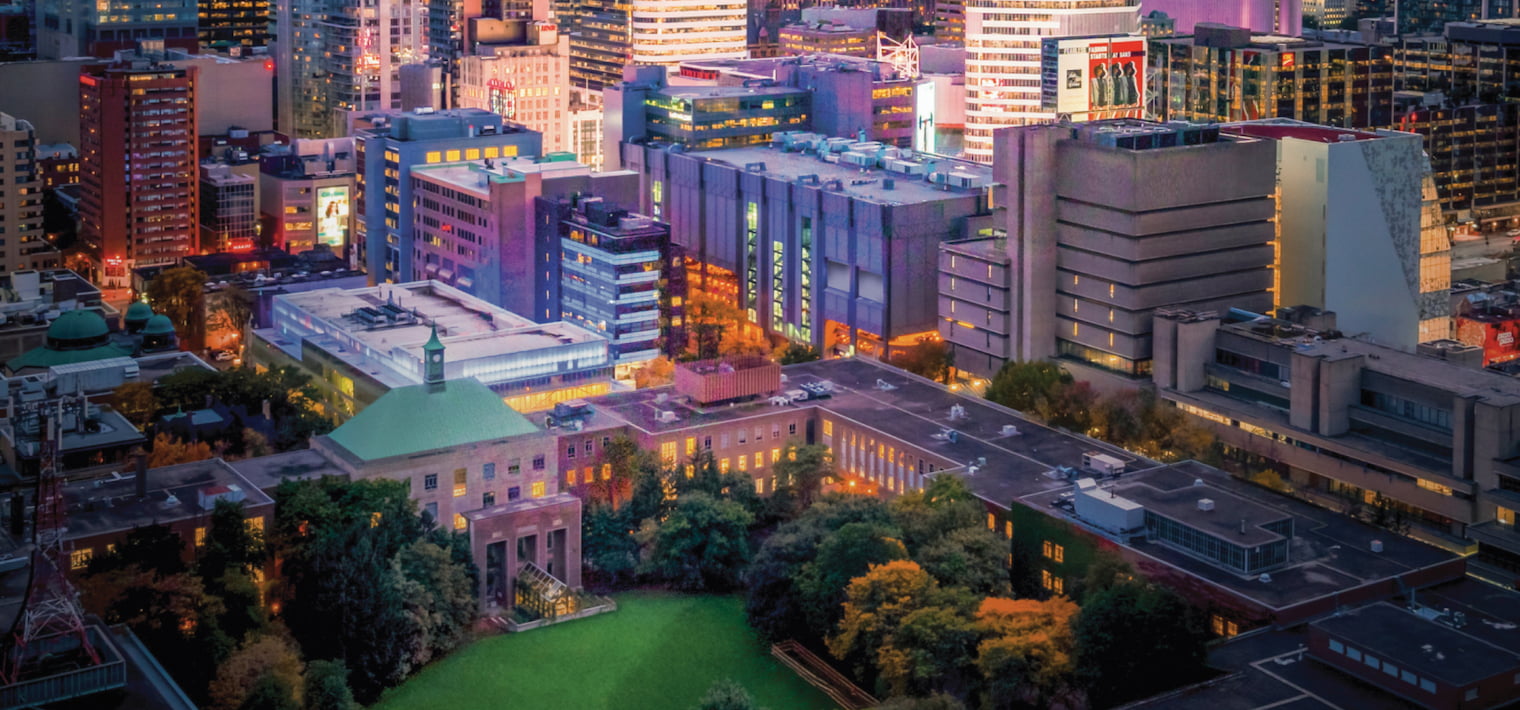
[(668, 32), (1003, 76)]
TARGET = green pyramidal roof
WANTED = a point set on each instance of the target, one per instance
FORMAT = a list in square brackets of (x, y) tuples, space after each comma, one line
[(433, 342), (411, 420)]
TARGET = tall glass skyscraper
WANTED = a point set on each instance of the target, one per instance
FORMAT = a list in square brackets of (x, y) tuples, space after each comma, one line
[(1003, 39)]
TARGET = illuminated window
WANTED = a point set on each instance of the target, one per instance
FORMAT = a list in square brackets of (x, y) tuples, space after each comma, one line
[(606, 472), (1008, 530), (744, 462), (668, 452), (539, 489), (459, 522), (1053, 552), (374, 520), (991, 521), (1223, 627), (760, 486), (434, 156), (452, 155), (1052, 583), (80, 559), (493, 152), (775, 455), (1505, 516), (690, 470), (723, 466), (570, 477), (460, 482), (509, 151), (828, 428), (472, 154), (200, 537)]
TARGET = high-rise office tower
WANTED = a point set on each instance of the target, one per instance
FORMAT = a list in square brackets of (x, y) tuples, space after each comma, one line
[(335, 58), (297, 49), (23, 245), (599, 44), (229, 23), (365, 47), (76, 28), (139, 201), (668, 32), (1003, 45)]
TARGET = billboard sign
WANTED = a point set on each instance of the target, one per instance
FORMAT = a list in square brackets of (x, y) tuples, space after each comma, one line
[(332, 216), (502, 98), (1092, 78)]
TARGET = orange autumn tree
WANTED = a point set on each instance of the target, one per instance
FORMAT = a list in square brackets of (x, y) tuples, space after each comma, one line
[(169, 450), (1027, 651), (919, 635)]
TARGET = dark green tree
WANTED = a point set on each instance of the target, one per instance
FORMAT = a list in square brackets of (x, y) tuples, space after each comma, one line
[(842, 556), (725, 694), (799, 353), (231, 544), (1027, 386), (703, 544), (327, 687), (937, 701), (929, 357), (646, 499), (608, 550), (440, 594), (270, 692), (154, 548), (346, 595), (773, 603), (801, 472), (969, 557), (1134, 640), (945, 505), (180, 294)]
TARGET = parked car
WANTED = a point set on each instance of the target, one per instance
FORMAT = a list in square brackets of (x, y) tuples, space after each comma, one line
[(223, 355)]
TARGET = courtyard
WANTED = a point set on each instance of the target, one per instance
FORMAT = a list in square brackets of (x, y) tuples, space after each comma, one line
[(657, 652)]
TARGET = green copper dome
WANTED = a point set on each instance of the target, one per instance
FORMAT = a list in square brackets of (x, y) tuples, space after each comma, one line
[(159, 325), (77, 327), (138, 312)]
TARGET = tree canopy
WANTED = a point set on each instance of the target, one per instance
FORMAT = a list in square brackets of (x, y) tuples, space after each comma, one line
[(703, 544)]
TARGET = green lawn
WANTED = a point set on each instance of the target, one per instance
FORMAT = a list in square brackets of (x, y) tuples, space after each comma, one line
[(656, 652)]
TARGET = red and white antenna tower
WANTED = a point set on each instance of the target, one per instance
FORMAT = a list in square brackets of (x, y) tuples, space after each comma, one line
[(52, 604)]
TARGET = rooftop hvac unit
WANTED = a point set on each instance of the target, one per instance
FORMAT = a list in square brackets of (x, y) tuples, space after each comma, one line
[(1377, 545), (1205, 504), (666, 416)]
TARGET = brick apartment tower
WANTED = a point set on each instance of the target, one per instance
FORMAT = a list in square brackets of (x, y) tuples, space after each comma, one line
[(140, 201)]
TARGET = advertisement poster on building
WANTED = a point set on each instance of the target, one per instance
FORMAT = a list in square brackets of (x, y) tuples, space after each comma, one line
[(1094, 78), (332, 216)]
